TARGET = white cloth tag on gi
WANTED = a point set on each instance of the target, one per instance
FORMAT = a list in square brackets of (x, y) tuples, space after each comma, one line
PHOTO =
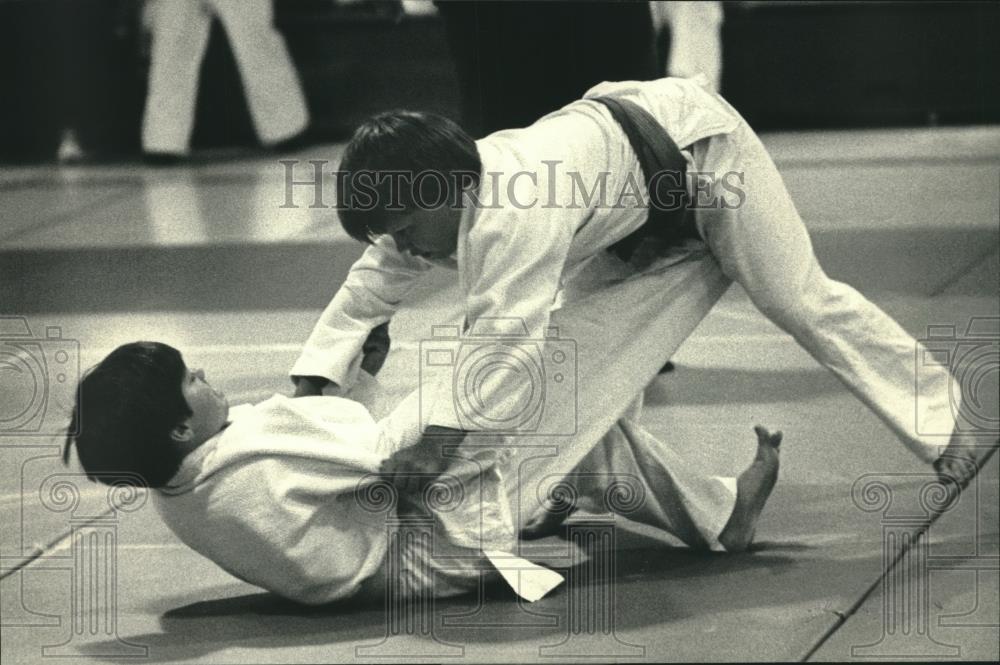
[(528, 580)]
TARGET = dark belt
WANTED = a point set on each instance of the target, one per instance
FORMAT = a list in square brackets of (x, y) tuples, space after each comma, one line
[(669, 221)]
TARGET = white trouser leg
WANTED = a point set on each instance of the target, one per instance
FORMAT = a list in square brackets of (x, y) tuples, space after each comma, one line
[(644, 319), (270, 81), (180, 35), (634, 474), (695, 39), (763, 245)]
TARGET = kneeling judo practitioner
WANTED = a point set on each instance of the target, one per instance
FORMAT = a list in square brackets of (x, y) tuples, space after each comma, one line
[(634, 173)]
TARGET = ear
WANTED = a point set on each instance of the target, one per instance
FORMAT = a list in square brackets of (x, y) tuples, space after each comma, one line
[(182, 433)]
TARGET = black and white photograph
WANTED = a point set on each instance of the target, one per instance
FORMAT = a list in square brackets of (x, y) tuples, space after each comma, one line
[(499, 331)]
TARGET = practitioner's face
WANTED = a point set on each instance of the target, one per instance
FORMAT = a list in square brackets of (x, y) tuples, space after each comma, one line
[(210, 410), (432, 234)]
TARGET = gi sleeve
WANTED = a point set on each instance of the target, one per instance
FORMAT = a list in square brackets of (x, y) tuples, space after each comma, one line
[(514, 258), (373, 290)]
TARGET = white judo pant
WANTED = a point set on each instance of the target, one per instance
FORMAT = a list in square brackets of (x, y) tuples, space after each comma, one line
[(604, 454), (628, 472), (764, 246), (180, 37), (632, 473)]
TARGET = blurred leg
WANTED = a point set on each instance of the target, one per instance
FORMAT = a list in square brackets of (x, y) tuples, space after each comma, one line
[(272, 86), (695, 39), (180, 36)]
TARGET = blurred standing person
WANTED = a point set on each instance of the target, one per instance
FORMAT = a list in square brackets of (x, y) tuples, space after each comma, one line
[(695, 30), (180, 31)]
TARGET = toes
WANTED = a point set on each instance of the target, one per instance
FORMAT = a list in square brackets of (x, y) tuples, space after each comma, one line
[(960, 470), (964, 472), (961, 462), (765, 438)]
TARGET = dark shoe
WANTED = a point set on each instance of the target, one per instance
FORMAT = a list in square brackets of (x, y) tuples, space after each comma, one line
[(303, 139), (161, 158), (669, 367)]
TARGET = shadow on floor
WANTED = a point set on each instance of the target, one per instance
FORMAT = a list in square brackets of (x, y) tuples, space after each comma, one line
[(810, 568), (655, 586), (702, 386)]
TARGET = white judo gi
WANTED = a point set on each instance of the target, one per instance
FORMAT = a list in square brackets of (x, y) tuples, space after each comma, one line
[(286, 498), (695, 37), (180, 36), (532, 237)]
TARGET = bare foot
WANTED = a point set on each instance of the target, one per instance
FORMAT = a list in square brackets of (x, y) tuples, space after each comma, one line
[(753, 487), (549, 522), (962, 460)]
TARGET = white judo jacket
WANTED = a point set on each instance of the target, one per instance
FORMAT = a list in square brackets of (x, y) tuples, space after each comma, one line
[(278, 499)]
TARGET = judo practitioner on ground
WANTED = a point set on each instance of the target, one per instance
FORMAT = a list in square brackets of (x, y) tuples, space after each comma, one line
[(527, 215), (284, 494)]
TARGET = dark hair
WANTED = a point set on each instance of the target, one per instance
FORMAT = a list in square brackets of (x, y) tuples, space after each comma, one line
[(404, 143), (125, 410)]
